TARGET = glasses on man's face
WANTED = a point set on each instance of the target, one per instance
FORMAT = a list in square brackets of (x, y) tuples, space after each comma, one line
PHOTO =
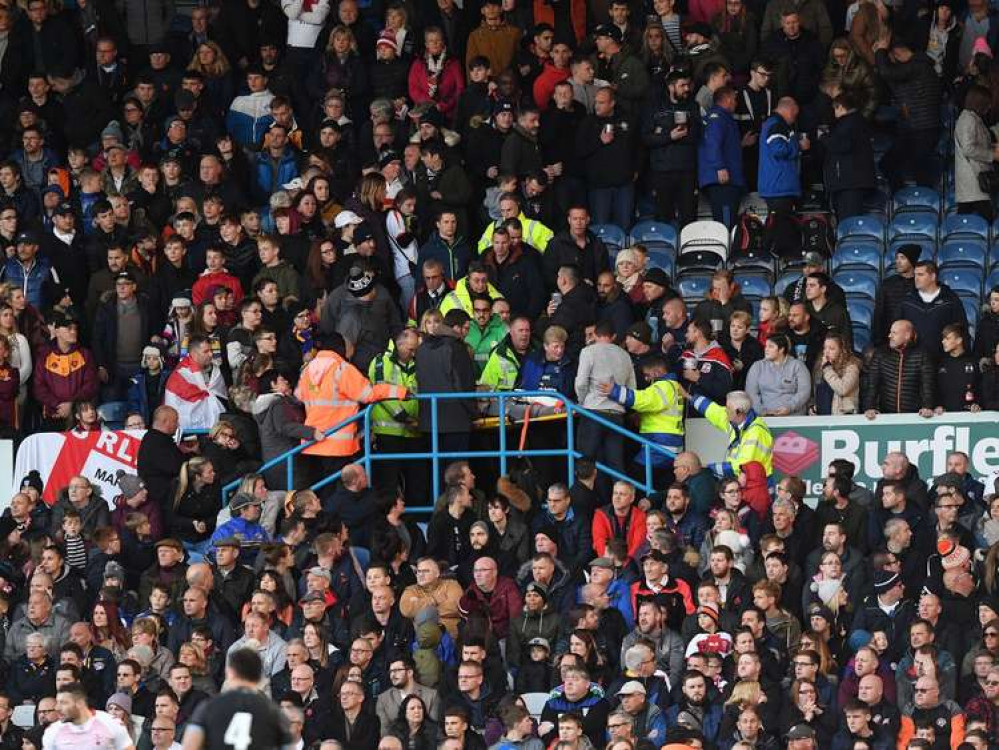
[(991, 634), (618, 725), (992, 683), (923, 691)]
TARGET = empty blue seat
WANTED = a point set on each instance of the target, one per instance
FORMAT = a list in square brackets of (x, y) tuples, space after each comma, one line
[(962, 280), (861, 337), (972, 309), (915, 198), (662, 257), (991, 280), (861, 311), (611, 235), (962, 252), (858, 283), (866, 227), (965, 225), (754, 285), (693, 287), (858, 253), (785, 281), (653, 233), (913, 223)]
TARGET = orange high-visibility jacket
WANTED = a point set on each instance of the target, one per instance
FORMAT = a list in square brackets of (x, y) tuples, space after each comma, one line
[(333, 390)]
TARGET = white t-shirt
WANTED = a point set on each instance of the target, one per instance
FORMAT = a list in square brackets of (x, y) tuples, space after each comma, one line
[(100, 732)]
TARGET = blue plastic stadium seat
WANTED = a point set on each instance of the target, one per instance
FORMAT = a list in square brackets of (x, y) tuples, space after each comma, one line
[(861, 311), (653, 234), (972, 308), (913, 223), (866, 227), (611, 235), (662, 257), (915, 198), (962, 281), (965, 225), (962, 252), (858, 253), (991, 281), (861, 337), (858, 283), (785, 281), (754, 285), (693, 287)]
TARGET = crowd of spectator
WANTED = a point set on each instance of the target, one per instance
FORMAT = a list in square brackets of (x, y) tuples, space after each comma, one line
[(246, 218)]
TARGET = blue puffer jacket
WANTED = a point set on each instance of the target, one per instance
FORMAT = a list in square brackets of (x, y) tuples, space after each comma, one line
[(720, 148), (34, 281), (268, 179), (779, 175)]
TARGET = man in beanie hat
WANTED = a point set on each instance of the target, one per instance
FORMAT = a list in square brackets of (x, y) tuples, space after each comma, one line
[(886, 611), (332, 390), (363, 308)]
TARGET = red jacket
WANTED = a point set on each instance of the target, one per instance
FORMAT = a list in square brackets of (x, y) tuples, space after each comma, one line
[(64, 377), (544, 85), (206, 281), (632, 529), (450, 83), (504, 605)]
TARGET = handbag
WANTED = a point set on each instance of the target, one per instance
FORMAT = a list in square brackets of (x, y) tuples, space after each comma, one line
[(988, 181)]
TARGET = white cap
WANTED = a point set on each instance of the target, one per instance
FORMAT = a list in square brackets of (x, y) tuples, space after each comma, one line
[(346, 217)]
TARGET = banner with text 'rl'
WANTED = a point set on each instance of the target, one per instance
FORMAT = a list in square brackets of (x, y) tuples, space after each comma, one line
[(59, 456)]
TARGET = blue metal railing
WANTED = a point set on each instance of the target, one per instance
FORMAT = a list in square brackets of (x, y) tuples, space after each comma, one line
[(573, 413)]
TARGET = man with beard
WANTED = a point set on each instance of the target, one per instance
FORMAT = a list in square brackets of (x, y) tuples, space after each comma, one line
[(693, 706), (671, 131)]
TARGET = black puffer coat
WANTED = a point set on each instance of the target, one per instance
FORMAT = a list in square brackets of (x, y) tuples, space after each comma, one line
[(900, 381)]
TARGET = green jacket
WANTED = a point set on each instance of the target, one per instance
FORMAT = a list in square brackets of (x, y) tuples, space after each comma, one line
[(284, 275), (484, 341), (502, 370)]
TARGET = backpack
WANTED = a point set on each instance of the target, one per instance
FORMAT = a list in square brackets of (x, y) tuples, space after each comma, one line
[(817, 234), (427, 662), (749, 236)]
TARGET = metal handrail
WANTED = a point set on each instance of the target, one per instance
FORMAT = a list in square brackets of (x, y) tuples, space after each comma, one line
[(573, 412)]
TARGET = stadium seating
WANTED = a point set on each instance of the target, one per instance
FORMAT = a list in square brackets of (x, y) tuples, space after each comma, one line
[(919, 199), (612, 236), (653, 234), (913, 224), (784, 281), (861, 311), (964, 225), (857, 253), (962, 252), (703, 246), (962, 280), (693, 287), (858, 283), (863, 227)]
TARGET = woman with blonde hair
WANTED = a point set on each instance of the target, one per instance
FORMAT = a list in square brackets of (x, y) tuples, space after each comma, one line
[(628, 268), (220, 89), (343, 69), (196, 503), (192, 656), (836, 379)]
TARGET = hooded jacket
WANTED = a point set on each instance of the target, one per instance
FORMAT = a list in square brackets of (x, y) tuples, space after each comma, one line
[(779, 174), (443, 365), (529, 625)]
